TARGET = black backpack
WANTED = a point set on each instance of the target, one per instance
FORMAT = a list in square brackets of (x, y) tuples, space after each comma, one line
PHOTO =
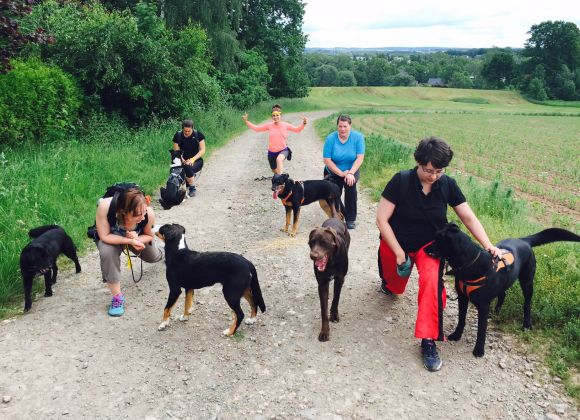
[(115, 191)]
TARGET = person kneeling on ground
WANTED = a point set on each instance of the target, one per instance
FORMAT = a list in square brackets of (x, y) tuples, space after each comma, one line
[(413, 207), (131, 230), (192, 143)]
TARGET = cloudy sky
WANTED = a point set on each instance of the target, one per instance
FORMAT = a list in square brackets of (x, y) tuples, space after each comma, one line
[(420, 23)]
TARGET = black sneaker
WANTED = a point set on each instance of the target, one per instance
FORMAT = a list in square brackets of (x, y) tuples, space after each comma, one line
[(350, 225), (191, 190), (431, 359), (384, 289)]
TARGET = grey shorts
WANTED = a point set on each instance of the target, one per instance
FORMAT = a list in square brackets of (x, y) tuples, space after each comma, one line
[(110, 256)]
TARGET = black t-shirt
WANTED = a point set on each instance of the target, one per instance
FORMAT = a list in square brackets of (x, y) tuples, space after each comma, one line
[(189, 145), (409, 220)]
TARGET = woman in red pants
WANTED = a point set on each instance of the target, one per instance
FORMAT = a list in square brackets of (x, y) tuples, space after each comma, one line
[(412, 207)]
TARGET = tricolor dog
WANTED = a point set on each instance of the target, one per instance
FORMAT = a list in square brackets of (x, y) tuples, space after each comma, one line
[(295, 194), (189, 270)]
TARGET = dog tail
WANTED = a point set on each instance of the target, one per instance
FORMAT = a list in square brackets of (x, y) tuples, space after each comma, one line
[(36, 232), (551, 235), (336, 205), (256, 291)]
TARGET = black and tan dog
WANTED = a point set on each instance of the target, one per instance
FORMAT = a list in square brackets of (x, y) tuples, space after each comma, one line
[(295, 194), (175, 189), (190, 270), (329, 252), (39, 257), (479, 278)]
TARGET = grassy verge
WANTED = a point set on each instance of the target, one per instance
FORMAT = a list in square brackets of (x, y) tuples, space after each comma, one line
[(555, 308)]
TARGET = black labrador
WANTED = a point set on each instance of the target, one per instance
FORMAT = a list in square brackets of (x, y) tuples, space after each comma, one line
[(329, 251), (39, 257), (295, 194), (175, 188), (479, 278), (190, 270)]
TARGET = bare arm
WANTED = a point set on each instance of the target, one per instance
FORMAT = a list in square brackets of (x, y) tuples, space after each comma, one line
[(299, 128), (253, 126), (199, 154), (470, 220), (332, 167), (384, 213), (104, 228)]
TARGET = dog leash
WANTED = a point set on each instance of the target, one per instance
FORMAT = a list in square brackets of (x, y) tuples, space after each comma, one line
[(130, 264)]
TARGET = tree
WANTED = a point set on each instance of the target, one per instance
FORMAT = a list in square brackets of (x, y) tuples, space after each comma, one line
[(499, 69), (537, 90), (460, 80), (274, 27), (12, 37), (345, 78), (553, 45), (326, 75)]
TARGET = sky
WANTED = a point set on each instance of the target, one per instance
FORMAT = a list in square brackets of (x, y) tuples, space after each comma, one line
[(421, 23)]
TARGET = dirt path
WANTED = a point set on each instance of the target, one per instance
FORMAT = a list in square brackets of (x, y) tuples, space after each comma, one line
[(68, 359)]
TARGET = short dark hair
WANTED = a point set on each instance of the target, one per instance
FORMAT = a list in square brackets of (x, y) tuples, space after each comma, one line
[(187, 124), (276, 106), (434, 150), (344, 117)]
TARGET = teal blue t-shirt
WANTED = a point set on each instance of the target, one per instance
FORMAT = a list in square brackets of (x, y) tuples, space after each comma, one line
[(344, 155)]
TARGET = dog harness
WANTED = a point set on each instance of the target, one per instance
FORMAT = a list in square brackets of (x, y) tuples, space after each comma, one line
[(468, 286), (285, 199)]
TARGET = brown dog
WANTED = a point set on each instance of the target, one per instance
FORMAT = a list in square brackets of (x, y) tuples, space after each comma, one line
[(329, 251)]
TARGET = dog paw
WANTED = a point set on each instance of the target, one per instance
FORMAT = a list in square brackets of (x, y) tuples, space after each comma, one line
[(250, 321), (183, 318), (477, 352), (454, 337), (285, 230), (47, 294), (226, 332), (323, 336), (334, 318), (163, 325)]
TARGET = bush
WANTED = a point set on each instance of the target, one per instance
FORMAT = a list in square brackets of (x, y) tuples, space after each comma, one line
[(36, 101)]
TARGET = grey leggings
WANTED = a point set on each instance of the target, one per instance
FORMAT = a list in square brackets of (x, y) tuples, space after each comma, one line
[(111, 259)]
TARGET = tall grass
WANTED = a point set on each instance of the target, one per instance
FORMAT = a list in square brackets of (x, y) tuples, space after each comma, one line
[(555, 308)]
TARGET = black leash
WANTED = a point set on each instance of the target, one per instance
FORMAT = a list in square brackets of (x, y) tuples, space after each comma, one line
[(130, 263)]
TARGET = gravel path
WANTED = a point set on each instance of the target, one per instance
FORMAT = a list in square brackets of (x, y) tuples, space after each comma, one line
[(68, 359)]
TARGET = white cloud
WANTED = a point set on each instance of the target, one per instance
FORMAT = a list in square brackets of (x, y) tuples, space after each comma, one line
[(452, 23)]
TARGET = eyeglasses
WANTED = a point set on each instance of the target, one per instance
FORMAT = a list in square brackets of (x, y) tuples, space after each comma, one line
[(436, 172)]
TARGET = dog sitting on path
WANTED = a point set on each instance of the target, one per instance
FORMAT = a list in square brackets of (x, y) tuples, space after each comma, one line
[(479, 278), (39, 257), (329, 252), (190, 270), (175, 189), (295, 194)]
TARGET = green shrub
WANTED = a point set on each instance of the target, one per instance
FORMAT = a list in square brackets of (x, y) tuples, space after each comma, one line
[(36, 101)]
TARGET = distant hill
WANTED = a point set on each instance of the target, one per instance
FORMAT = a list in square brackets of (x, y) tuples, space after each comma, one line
[(397, 50)]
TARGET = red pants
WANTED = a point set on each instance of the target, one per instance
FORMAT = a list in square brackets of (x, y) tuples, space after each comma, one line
[(432, 297)]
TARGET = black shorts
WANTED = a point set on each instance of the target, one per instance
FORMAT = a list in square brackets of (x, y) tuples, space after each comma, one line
[(191, 170), (273, 155)]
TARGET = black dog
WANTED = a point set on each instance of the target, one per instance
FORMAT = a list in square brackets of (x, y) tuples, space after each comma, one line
[(479, 278), (329, 251), (189, 270), (174, 191), (39, 257), (295, 194)]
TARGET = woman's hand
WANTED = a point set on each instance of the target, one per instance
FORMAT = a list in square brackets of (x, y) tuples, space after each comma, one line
[(400, 257), (137, 244), (245, 117), (494, 251), (304, 120), (132, 234), (349, 179)]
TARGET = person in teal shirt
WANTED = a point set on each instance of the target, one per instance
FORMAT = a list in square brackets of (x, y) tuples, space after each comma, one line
[(343, 155)]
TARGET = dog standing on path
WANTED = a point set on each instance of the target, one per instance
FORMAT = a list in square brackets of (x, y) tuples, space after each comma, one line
[(190, 270), (39, 257), (479, 278), (329, 252), (295, 194)]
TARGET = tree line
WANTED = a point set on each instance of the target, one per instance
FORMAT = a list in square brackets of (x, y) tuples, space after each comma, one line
[(62, 61), (547, 68)]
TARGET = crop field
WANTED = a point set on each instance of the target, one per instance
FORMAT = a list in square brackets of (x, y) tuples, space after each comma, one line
[(535, 155)]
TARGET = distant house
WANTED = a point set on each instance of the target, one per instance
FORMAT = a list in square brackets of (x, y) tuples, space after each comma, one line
[(435, 82)]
